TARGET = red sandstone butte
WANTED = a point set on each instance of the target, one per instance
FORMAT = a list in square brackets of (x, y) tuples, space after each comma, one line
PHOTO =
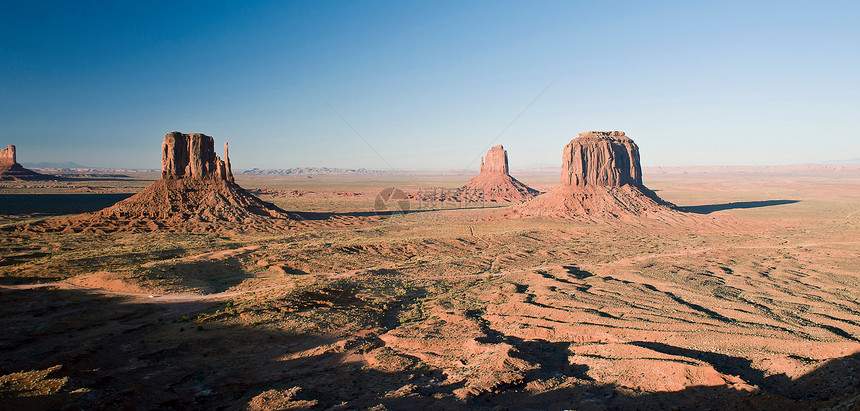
[(601, 178), (193, 156), (11, 170), (494, 183), (196, 193), (601, 158), (8, 157)]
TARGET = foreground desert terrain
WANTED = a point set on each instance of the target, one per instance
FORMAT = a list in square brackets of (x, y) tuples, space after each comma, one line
[(749, 300)]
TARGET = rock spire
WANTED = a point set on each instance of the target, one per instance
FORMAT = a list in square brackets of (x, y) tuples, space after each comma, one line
[(496, 161)]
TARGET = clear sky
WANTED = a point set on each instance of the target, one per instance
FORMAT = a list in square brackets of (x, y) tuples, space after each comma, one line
[(430, 84)]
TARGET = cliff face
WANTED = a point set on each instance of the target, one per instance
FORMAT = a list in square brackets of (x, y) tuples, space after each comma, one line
[(7, 157), (193, 156), (603, 158), (496, 161)]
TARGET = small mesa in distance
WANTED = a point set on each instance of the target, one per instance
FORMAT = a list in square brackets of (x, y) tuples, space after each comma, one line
[(494, 182)]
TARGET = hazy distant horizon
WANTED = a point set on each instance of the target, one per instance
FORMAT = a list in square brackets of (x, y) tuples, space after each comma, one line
[(382, 85), (240, 164), (514, 169)]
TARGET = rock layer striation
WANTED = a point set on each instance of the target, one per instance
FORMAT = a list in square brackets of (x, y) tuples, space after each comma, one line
[(603, 158)]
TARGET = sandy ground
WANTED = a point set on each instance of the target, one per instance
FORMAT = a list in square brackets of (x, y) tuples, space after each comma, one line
[(749, 301)]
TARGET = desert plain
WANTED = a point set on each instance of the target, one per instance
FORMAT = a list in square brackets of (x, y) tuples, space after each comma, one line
[(746, 300)]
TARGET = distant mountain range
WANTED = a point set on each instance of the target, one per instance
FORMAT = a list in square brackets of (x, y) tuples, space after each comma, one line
[(313, 170), (849, 166), (67, 164), (848, 161), (319, 171)]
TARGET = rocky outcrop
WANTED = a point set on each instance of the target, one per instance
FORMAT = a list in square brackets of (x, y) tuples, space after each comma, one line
[(601, 178), (10, 170), (196, 193), (228, 169), (603, 158), (193, 156), (7, 156), (494, 183), (496, 161)]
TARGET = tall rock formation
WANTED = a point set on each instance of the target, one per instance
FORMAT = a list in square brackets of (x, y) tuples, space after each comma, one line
[(193, 156), (8, 157), (601, 177), (601, 158), (496, 161), (196, 193), (494, 183), (11, 170)]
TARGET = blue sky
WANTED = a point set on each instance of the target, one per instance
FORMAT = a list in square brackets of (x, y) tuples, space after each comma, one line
[(430, 84)]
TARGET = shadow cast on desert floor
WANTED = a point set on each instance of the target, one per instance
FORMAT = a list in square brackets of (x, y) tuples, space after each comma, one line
[(711, 208), (326, 215), (57, 204), (82, 350)]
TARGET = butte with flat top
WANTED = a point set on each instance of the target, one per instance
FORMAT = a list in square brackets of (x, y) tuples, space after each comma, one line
[(601, 178)]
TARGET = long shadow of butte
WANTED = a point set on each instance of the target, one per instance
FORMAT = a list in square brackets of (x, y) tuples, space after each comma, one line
[(710, 208)]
